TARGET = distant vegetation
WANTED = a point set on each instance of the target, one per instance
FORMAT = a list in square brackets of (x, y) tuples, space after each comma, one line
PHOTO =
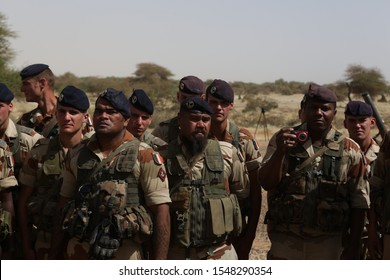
[(157, 81)]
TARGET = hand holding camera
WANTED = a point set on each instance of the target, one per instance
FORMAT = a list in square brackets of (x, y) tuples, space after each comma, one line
[(301, 135)]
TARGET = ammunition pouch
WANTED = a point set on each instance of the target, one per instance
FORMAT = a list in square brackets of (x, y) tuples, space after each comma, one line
[(287, 210), (5, 224), (200, 219), (136, 223), (76, 220), (42, 211), (105, 241), (332, 216), (326, 211)]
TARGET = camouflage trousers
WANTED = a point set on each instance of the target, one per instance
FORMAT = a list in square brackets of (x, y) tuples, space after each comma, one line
[(129, 250), (288, 246), (220, 251)]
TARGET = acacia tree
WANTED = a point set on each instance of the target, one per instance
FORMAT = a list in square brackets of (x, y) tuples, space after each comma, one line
[(360, 79), (6, 52), (155, 80), (7, 75)]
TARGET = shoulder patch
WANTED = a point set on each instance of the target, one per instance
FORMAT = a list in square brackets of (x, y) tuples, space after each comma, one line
[(255, 144), (162, 174), (240, 156), (157, 158), (10, 161)]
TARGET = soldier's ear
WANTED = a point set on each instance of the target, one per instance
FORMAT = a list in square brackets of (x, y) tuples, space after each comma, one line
[(11, 106)]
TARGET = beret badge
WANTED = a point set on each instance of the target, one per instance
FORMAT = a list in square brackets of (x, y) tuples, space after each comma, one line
[(190, 104), (134, 99), (61, 97), (182, 86), (213, 90)]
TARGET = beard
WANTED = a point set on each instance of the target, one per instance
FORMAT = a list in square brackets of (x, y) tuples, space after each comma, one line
[(193, 145)]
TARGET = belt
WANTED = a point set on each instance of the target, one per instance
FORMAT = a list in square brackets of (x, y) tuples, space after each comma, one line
[(203, 252)]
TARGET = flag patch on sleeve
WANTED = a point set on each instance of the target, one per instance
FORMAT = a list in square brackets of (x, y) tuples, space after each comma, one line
[(157, 158)]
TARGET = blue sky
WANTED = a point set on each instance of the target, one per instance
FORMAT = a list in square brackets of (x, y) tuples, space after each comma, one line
[(247, 40)]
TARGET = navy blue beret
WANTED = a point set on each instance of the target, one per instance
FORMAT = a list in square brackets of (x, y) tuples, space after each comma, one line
[(221, 90), (6, 94), (196, 105), (33, 70), (140, 100), (74, 97), (118, 101), (320, 94), (358, 108), (191, 85)]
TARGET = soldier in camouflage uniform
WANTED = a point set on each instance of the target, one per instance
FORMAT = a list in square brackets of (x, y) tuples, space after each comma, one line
[(316, 188), (115, 191), (38, 86), (359, 121), (220, 96), (19, 138), (380, 208), (188, 86), (7, 213), (141, 110), (40, 176), (203, 175)]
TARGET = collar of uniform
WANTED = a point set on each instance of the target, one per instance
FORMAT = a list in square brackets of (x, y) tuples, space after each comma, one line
[(372, 151), (330, 135), (227, 137), (11, 131), (94, 146)]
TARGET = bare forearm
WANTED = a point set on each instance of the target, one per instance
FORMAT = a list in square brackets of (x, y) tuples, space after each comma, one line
[(162, 232)]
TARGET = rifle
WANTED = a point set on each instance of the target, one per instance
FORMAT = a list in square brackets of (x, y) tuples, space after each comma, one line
[(379, 121)]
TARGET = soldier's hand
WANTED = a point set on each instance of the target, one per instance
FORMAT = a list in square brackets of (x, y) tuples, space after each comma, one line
[(106, 247), (103, 245), (285, 139)]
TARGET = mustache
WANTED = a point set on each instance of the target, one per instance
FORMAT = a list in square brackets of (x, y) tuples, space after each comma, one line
[(200, 130)]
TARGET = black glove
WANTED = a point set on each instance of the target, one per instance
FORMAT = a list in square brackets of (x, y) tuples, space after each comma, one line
[(104, 242)]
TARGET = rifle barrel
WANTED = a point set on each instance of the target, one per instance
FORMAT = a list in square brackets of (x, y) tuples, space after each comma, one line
[(379, 121)]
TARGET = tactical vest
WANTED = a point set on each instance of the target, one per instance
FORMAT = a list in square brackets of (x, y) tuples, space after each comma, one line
[(313, 199), (111, 192), (202, 211), (42, 204)]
